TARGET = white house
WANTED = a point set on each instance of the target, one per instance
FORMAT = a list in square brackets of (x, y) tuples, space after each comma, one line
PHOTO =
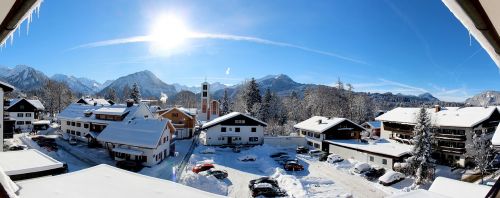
[(86, 122), (25, 112), (233, 129), (4, 88), (145, 140)]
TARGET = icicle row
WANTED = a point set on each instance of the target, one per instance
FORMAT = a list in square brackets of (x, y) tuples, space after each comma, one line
[(28, 18)]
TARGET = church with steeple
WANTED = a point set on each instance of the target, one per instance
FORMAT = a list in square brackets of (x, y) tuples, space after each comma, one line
[(210, 109)]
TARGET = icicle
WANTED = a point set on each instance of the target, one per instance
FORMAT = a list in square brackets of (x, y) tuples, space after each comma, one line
[(470, 39), (28, 18)]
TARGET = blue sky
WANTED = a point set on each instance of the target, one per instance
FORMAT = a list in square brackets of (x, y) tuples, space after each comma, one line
[(409, 47)]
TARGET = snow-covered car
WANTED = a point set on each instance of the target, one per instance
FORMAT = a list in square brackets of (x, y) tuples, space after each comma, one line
[(278, 154), (208, 151), (17, 147), (267, 190), (247, 158), (219, 174), (334, 158), (202, 167), (360, 168), (374, 173), (301, 150), (268, 180), (315, 153), (390, 178), (73, 141)]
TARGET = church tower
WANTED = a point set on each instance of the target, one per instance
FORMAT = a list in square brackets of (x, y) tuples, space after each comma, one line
[(205, 102)]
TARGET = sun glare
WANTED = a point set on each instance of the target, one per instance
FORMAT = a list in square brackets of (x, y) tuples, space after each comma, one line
[(168, 32)]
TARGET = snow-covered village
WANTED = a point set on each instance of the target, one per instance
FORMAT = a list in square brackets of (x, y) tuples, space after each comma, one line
[(120, 99)]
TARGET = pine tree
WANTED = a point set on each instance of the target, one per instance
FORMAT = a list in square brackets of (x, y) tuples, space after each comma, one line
[(136, 93), (251, 96), (481, 151), (421, 162), (225, 103), (265, 107)]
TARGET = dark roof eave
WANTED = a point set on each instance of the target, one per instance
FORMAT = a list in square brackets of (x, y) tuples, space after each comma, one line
[(16, 14)]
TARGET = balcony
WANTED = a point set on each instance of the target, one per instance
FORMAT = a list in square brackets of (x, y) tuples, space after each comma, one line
[(454, 137), (448, 149)]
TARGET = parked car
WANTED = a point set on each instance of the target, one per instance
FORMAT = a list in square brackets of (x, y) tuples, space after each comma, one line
[(278, 154), (323, 157), (390, 178), (293, 166), (268, 180), (267, 190), (302, 150), (334, 158), (282, 158), (374, 173), (361, 168), (283, 162), (17, 147), (202, 167), (73, 141), (219, 174), (208, 151), (129, 165), (247, 158), (315, 153)]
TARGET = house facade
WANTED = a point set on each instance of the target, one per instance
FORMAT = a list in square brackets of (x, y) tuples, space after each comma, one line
[(373, 127), (453, 128), (318, 128), (85, 122), (4, 88), (233, 129), (25, 113), (183, 120), (145, 140)]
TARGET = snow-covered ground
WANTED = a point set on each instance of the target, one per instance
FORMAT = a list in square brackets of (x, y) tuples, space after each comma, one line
[(317, 180)]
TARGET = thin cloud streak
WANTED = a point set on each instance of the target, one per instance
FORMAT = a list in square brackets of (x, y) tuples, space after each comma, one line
[(195, 35)]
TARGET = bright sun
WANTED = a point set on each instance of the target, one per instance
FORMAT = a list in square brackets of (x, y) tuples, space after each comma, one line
[(168, 32)]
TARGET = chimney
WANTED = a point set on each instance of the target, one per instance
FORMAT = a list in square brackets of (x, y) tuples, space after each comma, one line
[(130, 102), (319, 121), (437, 108)]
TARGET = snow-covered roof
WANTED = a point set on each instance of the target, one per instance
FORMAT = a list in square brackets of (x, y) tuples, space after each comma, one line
[(455, 117), (42, 122), (6, 86), (8, 185), (139, 132), (443, 186), (75, 111), (374, 124), (227, 117), (313, 124), (96, 101), (495, 140), (36, 103), (382, 146), (182, 110), (111, 111), (106, 181), (27, 161)]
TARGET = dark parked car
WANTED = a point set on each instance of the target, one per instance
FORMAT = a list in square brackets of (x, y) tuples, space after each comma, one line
[(278, 154), (17, 148), (219, 174), (202, 167), (267, 190), (374, 173), (293, 166), (268, 180), (129, 165), (302, 150), (323, 157)]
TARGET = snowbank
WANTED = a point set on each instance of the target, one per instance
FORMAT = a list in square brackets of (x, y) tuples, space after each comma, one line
[(209, 184), (290, 183)]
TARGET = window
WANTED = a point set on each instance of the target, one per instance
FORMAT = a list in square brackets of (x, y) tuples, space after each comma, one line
[(20, 122), (28, 114), (78, 133), (384, 161), (239, 121), (309, 143), (72, 132), (372, 159), (316, 145), (72, 123), (237, 129), (254, 129), (223, 129), (21, 106), (205, 87), (78, 124), (67, 131), (86, 126), (303, 132), (20, 115), (253, 139), (28, 122), (164, 140), (317, 135), (68, 123), (205, 94), (175, 115)]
